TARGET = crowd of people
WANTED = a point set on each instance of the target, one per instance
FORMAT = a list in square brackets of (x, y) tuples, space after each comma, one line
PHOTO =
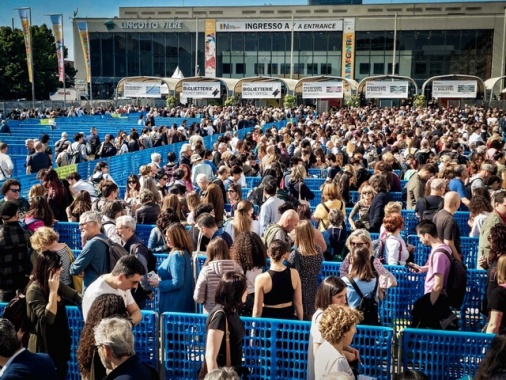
[(451, 160)]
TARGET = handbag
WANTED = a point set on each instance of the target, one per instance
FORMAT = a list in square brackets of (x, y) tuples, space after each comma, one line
[(228, 361)]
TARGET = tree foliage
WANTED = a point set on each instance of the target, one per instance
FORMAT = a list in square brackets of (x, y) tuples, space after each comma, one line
[(14, 83)]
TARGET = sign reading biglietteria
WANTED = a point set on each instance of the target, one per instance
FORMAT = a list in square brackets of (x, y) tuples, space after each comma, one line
[(201, 90), (454, 88), (322, 90), (386, 90), (142, 90), (278, 25), (261, 90)]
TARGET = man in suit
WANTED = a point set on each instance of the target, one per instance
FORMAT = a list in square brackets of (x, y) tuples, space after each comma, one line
[(18, 363)]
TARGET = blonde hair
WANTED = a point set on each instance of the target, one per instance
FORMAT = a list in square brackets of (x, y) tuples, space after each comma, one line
[(304, 238), (242, 221), (298, 174), (393, 207), (36, 191), (42, 238), (501, 270), (331, 192), (336, 321)]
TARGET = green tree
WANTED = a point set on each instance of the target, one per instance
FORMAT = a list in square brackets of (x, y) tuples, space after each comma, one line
[(14, 81)]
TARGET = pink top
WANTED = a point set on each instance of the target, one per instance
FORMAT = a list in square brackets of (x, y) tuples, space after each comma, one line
[(439, 263)]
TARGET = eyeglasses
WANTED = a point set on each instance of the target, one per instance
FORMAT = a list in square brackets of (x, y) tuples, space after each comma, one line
[(83, 224), (366, 192), (15, 190), (357, 244), (132, 182)]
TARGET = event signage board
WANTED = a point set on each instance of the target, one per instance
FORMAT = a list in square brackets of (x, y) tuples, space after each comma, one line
[(142, 90), (278, 26), (454, 88), (322, 90), (261, 90), (386, 90), (201, 90)]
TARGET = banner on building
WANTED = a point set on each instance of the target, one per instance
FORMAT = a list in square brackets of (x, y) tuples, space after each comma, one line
[(210, 48), (261, 90), (25, 16), (57, 21), (278, 26), (348, 60), (82, 27), (142, 90), (454, 88), (201, 90), (322, 90), (386, 90)]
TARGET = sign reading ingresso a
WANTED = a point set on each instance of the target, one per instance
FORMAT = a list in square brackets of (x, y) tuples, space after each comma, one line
[(386, 90), (201, 90), (261, 90), (454, 88), (278, 25), (322, 90), (142, 90)]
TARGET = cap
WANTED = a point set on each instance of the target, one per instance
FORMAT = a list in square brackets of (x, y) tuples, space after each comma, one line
[(195, 158), (488, 167), (8, 210)]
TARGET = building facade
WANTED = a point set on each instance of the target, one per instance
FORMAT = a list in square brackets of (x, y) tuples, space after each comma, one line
[(236, 42)]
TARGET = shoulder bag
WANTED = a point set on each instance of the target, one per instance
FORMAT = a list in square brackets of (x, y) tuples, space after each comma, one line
[(228, 361)]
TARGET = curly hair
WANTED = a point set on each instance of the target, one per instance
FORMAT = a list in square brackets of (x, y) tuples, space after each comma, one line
[(497, 241), (249, 251), (393, 222), (36, 191), (104, 306), (479, 205), (336, 321), (166, 218), (43, 237)]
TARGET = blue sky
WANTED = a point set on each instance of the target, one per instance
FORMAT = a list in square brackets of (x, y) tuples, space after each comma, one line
[(99, 8)]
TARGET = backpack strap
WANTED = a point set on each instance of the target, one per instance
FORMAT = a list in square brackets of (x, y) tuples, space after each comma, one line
[(328, 211), (355, 286), (105, 241)]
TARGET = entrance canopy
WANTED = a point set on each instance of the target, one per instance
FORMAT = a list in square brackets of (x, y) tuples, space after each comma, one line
[(353, 84), (229, 83), (458, 86), (288, 83), (491, 83), (167, 84), (387, 78)]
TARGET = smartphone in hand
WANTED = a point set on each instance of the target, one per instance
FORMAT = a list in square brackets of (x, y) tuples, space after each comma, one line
[(152, 275), (412, 267)]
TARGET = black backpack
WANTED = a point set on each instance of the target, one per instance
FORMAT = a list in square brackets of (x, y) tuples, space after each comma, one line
[(368, 305), (150, 258), (75, 156), (16, 313), (457, 280), (92, 145), (430, 212), (116, 251)]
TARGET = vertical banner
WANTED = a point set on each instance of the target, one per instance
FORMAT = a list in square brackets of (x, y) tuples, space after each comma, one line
[(210, 53), (82, 26), (24, 15), (57, 21), (348, 61)]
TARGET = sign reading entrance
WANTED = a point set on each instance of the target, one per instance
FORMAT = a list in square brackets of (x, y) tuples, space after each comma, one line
[(261, 90), (322, 90), (386, 90), (201, 90)]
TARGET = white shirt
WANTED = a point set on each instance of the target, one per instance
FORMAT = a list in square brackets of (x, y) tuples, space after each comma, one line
[(98, 287), (6, 165), (86, 186)]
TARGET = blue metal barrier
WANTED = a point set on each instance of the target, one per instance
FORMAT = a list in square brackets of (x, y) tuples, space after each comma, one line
[(443, 354)]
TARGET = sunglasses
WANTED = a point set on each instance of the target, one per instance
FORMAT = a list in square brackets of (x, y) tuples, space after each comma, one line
[(15, 190), (366, 192), (357, 244), (231, 191), (164, 178), (134, 181)]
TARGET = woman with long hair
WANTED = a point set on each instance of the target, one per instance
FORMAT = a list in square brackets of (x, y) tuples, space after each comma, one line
[(172, 201), (493, 365), (150, 184), (332, 291), (234, 194), (58, 197), (362, 208), (36, 190), (187, 177), (243, 220), (88, 360), (81, 204), (46, 309), (479, 208), (380, 200), (296, 186), (132, 190), (251, 254), (193, 200), (362, 277), (307, 258), (230, 294), (496, 303), (156, 242), (345, 180), (217, 263), (278, 291), (39, 215), (175, 273), (331, 199)]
